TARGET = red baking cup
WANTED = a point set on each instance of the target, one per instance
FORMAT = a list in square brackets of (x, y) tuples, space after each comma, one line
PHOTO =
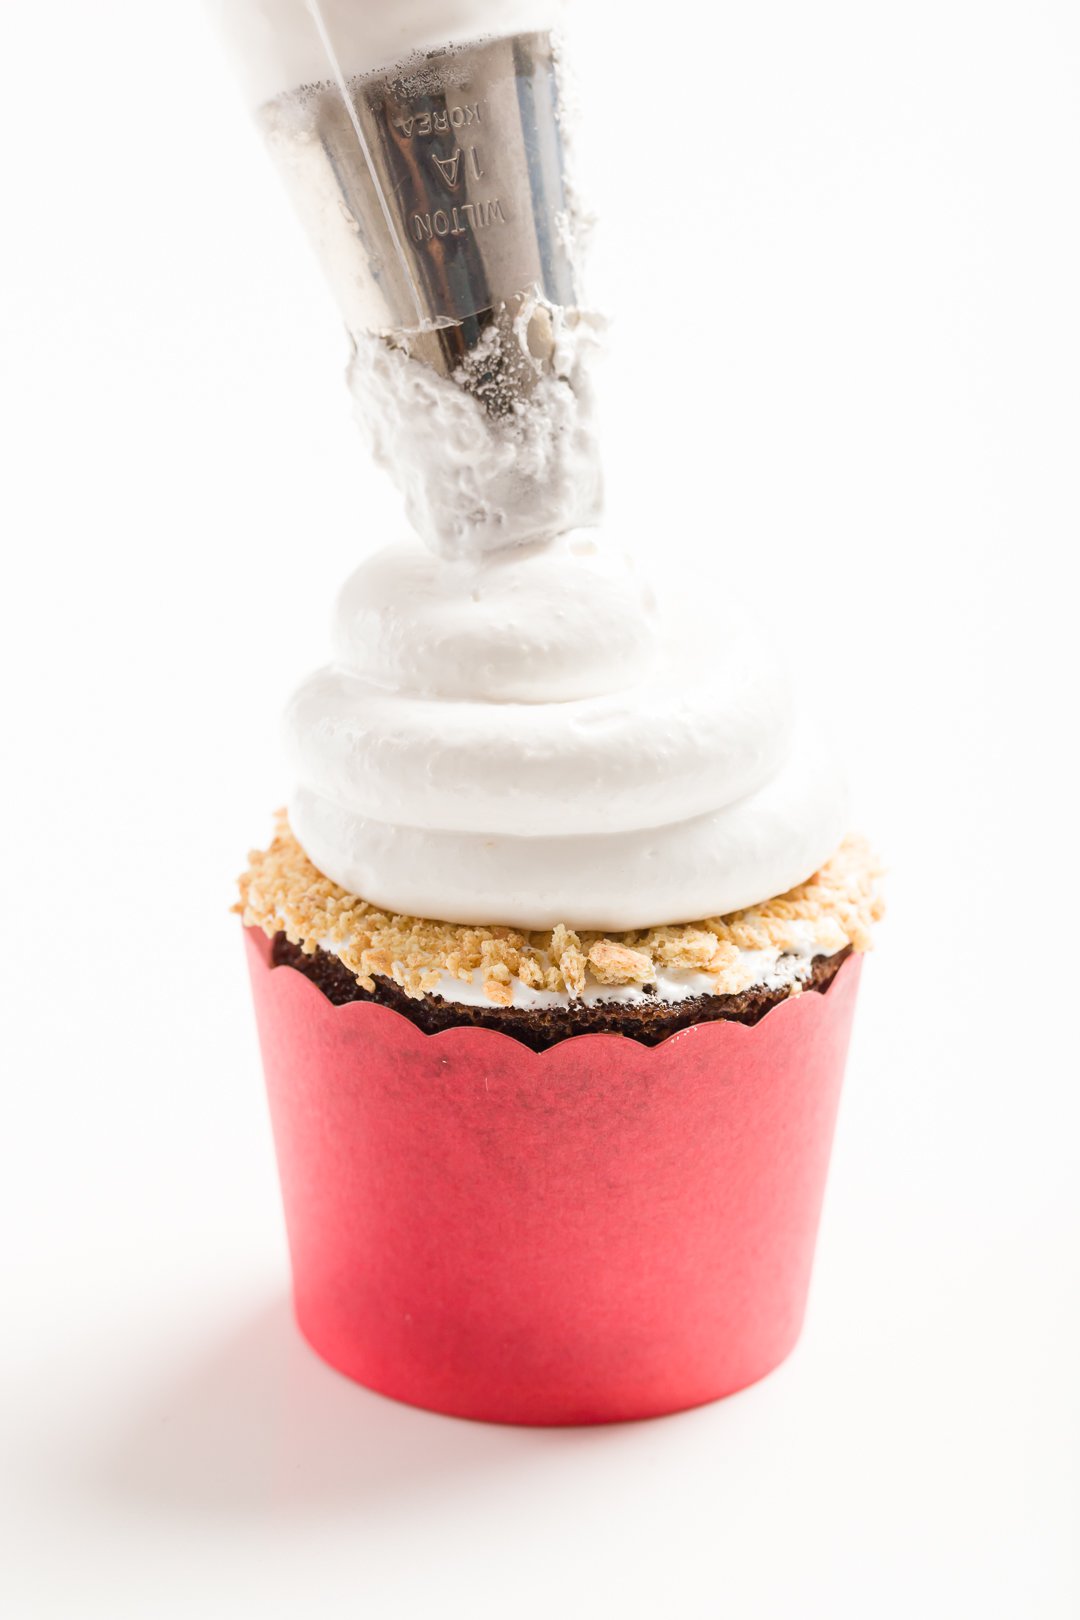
[(597, 1232)]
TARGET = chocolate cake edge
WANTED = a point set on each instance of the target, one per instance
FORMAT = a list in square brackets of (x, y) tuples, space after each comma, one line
[(648, 1022)]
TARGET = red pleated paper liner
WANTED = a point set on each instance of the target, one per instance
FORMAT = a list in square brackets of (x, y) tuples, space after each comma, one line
[(601, 1231)]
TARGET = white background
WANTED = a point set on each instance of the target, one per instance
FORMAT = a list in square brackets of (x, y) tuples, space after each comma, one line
[(840, 244)]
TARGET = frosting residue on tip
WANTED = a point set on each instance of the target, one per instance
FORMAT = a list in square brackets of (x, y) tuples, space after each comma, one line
[(476, 477)]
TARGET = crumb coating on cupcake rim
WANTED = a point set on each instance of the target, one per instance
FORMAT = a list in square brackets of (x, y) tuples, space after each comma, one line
[(773, 944)]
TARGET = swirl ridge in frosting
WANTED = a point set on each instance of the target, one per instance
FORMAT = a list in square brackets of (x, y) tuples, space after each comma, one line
[(529, 738)]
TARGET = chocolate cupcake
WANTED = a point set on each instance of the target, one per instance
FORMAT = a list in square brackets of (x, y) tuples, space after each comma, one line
[(554, 955), (554, 960)]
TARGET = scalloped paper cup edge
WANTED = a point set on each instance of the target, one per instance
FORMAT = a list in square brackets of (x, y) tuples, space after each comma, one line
[(597, 1232)]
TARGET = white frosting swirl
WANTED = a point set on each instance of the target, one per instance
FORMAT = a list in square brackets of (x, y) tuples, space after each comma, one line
[(526, 738)]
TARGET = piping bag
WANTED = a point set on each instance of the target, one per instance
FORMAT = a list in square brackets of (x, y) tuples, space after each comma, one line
[(423, 146)]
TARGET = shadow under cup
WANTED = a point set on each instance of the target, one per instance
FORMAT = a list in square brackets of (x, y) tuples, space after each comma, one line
[(598, 1232)]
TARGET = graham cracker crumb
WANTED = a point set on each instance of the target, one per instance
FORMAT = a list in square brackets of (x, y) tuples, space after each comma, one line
[(499, 987), (618, 964), (530, 972), (572, 966), (282, 892)]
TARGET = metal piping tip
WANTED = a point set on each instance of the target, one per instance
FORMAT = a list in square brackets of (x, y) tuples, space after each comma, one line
[(435, 195)]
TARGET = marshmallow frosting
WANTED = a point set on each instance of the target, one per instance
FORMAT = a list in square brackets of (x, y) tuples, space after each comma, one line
[(531, 736), (514, 729)]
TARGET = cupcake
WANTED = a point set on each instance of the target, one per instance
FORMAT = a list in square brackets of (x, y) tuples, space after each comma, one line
[(554, 957), (554, 953)]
